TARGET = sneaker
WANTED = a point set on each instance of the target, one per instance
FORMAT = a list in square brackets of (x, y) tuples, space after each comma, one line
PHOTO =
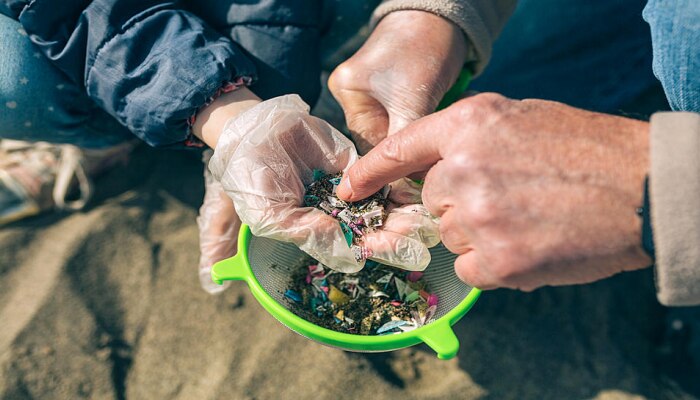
[(37, 177)]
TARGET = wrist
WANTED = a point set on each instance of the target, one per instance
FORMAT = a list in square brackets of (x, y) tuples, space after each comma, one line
[(426, 29), (210, 121), (639, 184)]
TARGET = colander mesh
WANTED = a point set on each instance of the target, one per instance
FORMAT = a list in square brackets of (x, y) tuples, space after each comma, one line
[(272, 262)]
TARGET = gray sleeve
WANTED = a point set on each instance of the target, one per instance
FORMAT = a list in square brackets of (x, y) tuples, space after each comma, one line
[(481, 20), (675, 206)]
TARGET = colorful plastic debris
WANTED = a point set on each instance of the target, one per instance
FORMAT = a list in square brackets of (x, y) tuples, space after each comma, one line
[(293, 295), (336, 296), (356, 218), (391, 325), (414, 276), (375, 301)]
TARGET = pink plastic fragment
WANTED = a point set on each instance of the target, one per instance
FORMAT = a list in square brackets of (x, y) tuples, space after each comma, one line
[(432, 300), (355, 229), (395, 303), (414, 276)]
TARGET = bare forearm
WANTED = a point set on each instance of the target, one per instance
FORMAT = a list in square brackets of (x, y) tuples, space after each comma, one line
[(210, 120)]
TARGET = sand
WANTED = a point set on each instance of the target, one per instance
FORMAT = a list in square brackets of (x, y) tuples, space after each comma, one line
[(106, 304)]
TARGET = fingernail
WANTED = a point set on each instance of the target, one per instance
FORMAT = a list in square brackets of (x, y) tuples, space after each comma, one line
[(345, 188)]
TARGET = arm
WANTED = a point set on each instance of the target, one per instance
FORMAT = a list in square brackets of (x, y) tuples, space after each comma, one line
[(480, 20), (150, 64)]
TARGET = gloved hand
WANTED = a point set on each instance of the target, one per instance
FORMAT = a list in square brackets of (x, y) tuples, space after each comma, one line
[(218, 228), (399, 75), (265, 157)]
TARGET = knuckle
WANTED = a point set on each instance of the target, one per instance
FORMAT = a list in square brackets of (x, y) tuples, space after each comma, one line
[(341, 77), (481, 211), (489, 98), (475, 106), (393, 149)]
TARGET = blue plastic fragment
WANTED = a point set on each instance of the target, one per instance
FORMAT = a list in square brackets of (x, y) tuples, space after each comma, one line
[(335, 181), (292, 295), (318, 174), (371, 263), (311, 200), (391, 325), (347, 232)]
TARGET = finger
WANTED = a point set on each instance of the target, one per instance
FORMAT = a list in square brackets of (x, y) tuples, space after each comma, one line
[(453, 234), (414, 149), (415, 222), (405, 191), (218, 233), (314, 232), (365, 117), (397, 250), (469, 270)]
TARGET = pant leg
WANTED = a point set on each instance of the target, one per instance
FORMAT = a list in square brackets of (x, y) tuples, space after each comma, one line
[(39, 103)]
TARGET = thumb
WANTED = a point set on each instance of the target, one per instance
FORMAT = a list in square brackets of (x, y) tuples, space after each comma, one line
[(218, 230), (366, 117)]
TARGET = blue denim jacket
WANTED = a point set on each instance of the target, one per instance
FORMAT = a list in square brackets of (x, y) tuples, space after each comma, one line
[(675, 34), (152, 64)]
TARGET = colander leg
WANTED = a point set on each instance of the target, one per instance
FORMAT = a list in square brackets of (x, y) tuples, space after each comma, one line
[(441, 338), (231, 269)]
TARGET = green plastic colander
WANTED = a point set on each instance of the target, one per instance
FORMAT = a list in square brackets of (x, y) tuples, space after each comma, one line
[(266, 266)]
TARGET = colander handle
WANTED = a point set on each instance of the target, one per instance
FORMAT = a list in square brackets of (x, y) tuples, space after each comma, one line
[(441, 338), (231, 269)]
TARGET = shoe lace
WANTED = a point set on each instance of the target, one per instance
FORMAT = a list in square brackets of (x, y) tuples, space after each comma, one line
[(71, 164)]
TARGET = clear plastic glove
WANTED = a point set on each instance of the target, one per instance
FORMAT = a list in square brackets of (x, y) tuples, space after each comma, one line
[(399, 75), (218, 229), (264, 159)]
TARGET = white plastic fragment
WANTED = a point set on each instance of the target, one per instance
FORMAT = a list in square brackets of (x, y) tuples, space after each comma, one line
[(391, 325), (385, 279), (326, 206), (373, 217), (346, 216), (335, 202)]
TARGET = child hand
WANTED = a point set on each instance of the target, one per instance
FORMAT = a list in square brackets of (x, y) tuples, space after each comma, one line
[(264, 159)]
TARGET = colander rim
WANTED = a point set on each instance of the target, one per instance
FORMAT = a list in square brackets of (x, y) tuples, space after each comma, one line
[(331, 337)]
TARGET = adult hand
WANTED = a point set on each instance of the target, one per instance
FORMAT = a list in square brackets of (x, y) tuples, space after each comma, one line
[(399, 75), (529, 193), (264, 159)]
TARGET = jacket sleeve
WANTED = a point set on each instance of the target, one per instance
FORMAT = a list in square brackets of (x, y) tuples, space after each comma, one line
[(675, 206), (480, 20), (148, 63)]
